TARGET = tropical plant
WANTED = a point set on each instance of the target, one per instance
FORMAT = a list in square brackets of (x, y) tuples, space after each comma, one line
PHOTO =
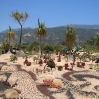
[(20, 18), (10, 35), (96, 67), (81, 57), (50, 63), (13, 58), (60, 68), (26, 56), (41, 33), (5, 45), (33, 47), (86, 55), (35, 59), (88, 48), (90, 66), (93, 58), (58, 48), (48, 48), (70, 37)]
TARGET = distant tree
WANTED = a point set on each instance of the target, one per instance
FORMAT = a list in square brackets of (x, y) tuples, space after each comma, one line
[(48, 48), (58, 47), (20, 18), (97, 42), (41, 33), (10, 35), (33, 46), (70, 37)]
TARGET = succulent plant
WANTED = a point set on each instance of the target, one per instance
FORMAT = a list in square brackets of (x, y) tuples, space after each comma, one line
[(13, 58)]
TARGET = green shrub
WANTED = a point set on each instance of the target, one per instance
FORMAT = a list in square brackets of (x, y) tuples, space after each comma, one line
[(90, 66), (96, 96), (50, 63), (96, 67), (13, 58), (60, 68)]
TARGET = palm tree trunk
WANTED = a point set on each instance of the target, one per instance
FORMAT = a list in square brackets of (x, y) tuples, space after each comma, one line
[(9, 42), (20, 39), (9, 45), (39, 54)]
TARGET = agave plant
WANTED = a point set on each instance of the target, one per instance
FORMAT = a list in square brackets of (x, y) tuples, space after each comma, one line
[(13, 58), (80, 57), (35, 59), (93, 58)]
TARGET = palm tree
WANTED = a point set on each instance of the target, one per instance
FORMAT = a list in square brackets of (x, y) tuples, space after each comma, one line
[(10, 35), (40, 32), (70, 37), (20, 18), (70, 40)]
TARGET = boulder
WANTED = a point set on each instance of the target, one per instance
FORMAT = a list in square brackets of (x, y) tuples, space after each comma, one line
[(57, 82), (2, 72), (20, 53), (12, 80), (47, 77), (11, 94), (38, 82), (1, 98), (4, 68), (3, 78)]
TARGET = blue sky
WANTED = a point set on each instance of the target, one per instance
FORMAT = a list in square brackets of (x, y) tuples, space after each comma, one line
[(51, 12)]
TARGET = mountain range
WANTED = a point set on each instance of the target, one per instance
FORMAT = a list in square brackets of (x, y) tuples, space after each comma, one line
[(54, 34)]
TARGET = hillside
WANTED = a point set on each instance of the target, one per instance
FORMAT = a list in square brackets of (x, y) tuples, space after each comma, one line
[(54, 34)]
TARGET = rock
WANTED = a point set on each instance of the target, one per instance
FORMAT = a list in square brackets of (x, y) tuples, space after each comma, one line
[(57, 82), (2, 72), (48, 77), (4, 68), (38, 82), (12, 80), (1, 66), (1, 98), (3, 78), (11, 93), (1, 94), (20, 53)]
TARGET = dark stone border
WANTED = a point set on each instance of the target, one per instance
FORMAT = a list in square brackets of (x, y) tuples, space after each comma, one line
[(67, 74)]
